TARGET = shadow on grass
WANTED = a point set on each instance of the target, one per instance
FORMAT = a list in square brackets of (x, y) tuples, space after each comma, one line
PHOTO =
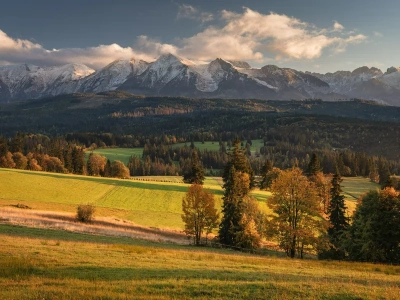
[(61, 235), (228, 280)]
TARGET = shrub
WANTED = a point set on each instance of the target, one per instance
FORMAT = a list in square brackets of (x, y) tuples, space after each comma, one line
[(85, 213)]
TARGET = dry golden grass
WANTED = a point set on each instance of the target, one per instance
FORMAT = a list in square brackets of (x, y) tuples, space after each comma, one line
[(100, 225), (46, 264)]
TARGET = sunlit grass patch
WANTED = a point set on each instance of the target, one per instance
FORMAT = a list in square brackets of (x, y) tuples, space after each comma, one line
[(94, 267)]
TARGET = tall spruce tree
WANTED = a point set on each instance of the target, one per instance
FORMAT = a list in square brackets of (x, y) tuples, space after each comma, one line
[(238, 180), (339, 223), (265, 170), (238, 159), (389, 181), (236, 188), (314, 167), (107, 169), (196, 173)]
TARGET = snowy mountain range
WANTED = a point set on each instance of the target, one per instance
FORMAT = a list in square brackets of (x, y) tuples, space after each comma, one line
[(170, 75)]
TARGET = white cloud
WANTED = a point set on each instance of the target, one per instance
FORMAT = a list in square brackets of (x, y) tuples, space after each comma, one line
[(252, 35), (377, 34), (152, 47), (352, 39), (337, 26), (23, 51), (186, 11), (249, 35)]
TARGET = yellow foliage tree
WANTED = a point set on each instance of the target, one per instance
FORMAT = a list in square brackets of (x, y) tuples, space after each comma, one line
[(297, 221), (199, 212)]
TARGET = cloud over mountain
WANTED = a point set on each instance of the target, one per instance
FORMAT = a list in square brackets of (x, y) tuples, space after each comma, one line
[(254, 36), (24, 51), (249, 35)]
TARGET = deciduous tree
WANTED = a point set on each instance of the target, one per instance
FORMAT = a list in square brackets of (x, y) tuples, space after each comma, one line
[(119, 170), (297, 221), (199, 212), (96, 164)]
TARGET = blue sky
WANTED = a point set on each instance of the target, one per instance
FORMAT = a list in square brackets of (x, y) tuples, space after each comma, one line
[(309, 35)]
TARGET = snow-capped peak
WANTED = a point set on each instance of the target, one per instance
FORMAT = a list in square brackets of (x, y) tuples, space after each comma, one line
[(66, 72), (169, 58), (113, 75), (239, 64)]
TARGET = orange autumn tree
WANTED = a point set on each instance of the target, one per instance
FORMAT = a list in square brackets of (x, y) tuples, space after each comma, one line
[(199, 212), (297, 221)]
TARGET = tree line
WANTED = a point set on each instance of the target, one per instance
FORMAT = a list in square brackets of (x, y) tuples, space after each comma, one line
[(162, 157), (309, 213), (41, 153)]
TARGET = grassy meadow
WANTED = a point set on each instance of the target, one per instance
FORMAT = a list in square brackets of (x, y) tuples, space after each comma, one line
[(51, 264), (149, 201), (42, 263), (353, 188), (122, 154), (214, 145)]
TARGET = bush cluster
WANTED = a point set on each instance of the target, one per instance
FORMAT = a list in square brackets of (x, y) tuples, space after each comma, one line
[(85, 213)]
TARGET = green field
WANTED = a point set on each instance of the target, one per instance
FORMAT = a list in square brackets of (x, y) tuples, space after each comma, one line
[(148, 201), (38, 263), (214, 145), (122, 154), (354, 187), (51, 264)]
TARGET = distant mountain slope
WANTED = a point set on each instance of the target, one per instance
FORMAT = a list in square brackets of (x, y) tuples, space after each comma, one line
[(29, 81), (112, 76), (171, 75)]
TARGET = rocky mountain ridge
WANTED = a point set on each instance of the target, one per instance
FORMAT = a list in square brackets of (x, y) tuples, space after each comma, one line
[(171, 75)]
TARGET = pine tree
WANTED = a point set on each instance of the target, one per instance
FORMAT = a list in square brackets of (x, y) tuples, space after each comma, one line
[(107, 169), (265, 170), (196, 173), (3, 146), (88, 166), (389, 181), (238, 179), (239, 160), (339, 223), (236, 188), (78, 160), (314, 167)]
